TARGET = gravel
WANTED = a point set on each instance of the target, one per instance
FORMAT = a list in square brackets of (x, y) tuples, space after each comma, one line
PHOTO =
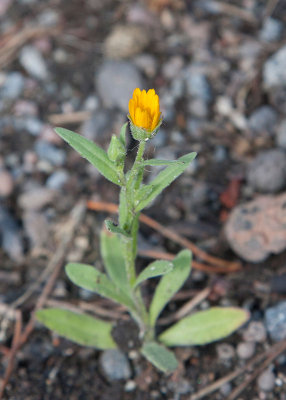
[(10, 236), (7, 184), (267, 172), (225, 351), (115, 365), (245, 350), (281, 134), (36, 198), (33, 62), (266, 381), (271, 30), (47, 151), (255, 332), (263, 120), (274, 71), (13, 86), (275, 321)]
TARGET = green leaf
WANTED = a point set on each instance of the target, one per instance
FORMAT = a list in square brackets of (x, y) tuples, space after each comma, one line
[(205, 326), (156, 268), (155, 162), (162, 180), (80, 328), (159, 356), (111, 227), (122, 135), (89, 278), (170, 284), (116, 150), (93, 153), (113, 258), (123, 210)]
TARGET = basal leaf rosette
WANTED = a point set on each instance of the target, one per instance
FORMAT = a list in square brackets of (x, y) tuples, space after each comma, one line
[(144, 114)]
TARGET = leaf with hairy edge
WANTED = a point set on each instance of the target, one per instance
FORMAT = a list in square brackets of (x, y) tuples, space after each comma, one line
[(89, 278), (113, 258), (112, 228), (93, 153), (80, 328), (159, 356), (205, 326), (156, 268), (162, 180), (122, 135), (170, 284)]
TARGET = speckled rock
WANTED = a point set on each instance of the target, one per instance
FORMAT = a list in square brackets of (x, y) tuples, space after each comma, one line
[(256, 229), (125, 41)]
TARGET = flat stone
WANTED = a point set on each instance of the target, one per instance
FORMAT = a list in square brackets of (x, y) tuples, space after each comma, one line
[(37, 198), (275, 320), (116, 81), (33, 62), (266, 381), (256, 229), (115, 365)]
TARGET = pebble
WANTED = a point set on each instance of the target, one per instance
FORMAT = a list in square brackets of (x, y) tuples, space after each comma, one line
[(266, 381), (32, 61), (125, 41), (281, 134), (13, 85), (99, 126), (245, 350), (47, 151), (35, 225), (225, 389), (115, 365), (30, 124), (225, 351), (267, 172), (271, 30), (6, 183), (57, 180), (197, 84), (10, 236), (36, 198), (262, 121), (172, 68), (274, 71), (147, 64), (255, 332), (180, 386), (256, 229), (115, 82), (275, 320)]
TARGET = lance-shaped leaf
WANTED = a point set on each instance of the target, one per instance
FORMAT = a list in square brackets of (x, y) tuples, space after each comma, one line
[(156, 163), (156, 268), (93, 153), (122, 135), (89, 278), (80, 328), (162, 180), (113, 258), (170, 284), (159, 356), (205, 326), (112, 228)]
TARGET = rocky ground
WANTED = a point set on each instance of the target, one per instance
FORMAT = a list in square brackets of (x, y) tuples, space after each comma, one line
[(220, 71)]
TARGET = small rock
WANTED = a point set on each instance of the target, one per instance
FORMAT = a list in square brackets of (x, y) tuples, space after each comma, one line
[(13, 85), (255, 332), (35, 225), (25, 107), (33, 62), (57, 180), (256, 229), (125, 41), (275, 320), (116, 81), (245, 350), (197, 85), (263, 120), (46, 151), (225, 351), (225, 389), (98, 127), (266, 381), (130, 386), (271, 30), (180, 386), (36, 198), (267, 172), (10, 236), (6, 183), (173, 67), (274, 71), (281, 134), (31, 124), (49, 17), (115, 365), (147, 64)]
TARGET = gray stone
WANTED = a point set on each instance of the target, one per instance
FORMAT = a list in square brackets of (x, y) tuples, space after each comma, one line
[(180, 386), (225, 351), (275, 320), (10, 236), (35, 225), (147, 64), (57, 180), (274, 71), (12, 86), (99, 126), (115, 365), (255, 332), (263, 120), (46, 151), (6, 183), (271, 30), (33, 62), (281, 134), (267, 172), (245, 350), (225, 389), (31, 124), (172, 68), (197, 84), (116, 81), (266, 381), (36, 198)]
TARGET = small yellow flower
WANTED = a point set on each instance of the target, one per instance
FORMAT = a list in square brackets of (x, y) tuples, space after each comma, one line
[(144, 114)]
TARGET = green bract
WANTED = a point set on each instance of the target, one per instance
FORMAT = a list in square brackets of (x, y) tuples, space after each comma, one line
[(118, 246)]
